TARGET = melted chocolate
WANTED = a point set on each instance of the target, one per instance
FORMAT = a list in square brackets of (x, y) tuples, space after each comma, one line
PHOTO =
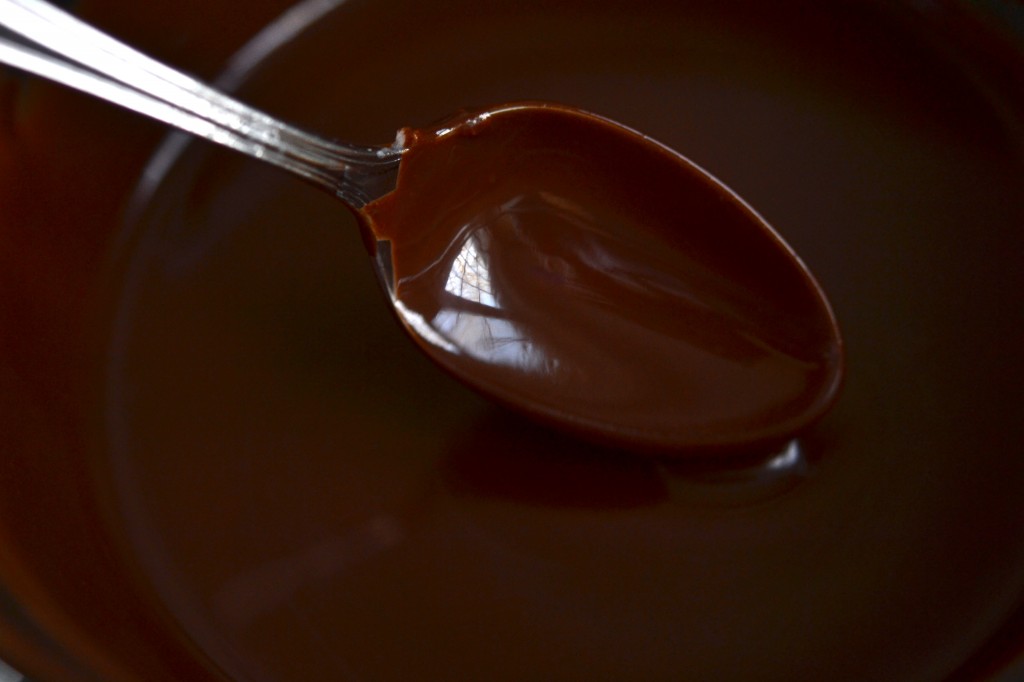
[(598, 280), (252, 475)]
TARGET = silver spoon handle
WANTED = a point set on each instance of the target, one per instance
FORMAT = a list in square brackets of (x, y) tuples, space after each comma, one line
[(82, 57)]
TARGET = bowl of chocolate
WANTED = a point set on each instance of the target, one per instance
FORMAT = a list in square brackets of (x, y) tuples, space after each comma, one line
[(221, 459)]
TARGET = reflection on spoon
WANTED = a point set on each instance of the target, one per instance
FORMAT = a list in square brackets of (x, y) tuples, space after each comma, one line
[(593, 278), (559, 263)]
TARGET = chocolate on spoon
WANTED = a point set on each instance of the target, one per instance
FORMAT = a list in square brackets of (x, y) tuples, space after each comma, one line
[(578, 271), (560, 263)]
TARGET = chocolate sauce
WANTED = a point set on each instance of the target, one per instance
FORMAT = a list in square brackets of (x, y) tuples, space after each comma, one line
[(594, 278), (261, 479)]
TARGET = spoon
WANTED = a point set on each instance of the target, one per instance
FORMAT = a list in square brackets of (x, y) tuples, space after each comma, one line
[(556, 261)]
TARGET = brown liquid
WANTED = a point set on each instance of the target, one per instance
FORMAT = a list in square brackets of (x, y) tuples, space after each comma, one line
[(280, 487), (596, 279)]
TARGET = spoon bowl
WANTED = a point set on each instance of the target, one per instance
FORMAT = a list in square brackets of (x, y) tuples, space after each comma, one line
[(560, 263), (585, 274)]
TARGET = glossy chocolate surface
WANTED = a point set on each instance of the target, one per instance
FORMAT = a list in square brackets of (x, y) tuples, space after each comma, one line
[(584, 274), (272, 484)]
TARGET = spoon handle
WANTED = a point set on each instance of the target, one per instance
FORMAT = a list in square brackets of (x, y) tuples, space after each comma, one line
[(77, 55)]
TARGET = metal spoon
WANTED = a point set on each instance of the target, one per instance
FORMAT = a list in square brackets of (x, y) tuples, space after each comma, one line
[(558, 262)]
